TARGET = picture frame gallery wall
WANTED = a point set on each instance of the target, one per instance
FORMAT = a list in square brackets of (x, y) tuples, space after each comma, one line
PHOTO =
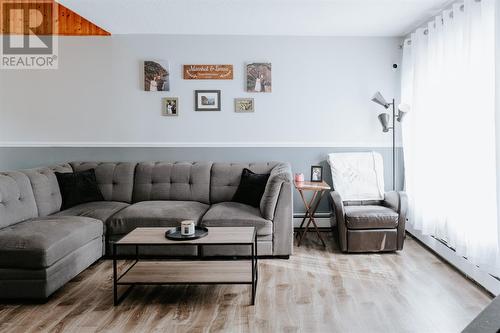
[(258, 79)]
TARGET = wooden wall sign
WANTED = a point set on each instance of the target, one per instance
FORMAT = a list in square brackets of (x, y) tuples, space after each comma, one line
[(208, 72)]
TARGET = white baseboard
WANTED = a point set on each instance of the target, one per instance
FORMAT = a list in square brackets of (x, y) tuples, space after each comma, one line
[(463, 265)]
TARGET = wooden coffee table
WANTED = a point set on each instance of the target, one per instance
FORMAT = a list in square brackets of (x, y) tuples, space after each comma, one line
[(189, 271)]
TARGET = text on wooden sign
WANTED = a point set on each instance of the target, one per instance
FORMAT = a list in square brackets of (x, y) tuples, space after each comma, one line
[(208, 72)]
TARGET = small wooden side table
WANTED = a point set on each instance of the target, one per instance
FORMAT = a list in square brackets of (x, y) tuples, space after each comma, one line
[(319, 189)]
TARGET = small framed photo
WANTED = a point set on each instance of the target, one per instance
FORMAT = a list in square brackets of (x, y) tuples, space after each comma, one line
[(170, 106), (244, 105), (316, 173), (207, 100)]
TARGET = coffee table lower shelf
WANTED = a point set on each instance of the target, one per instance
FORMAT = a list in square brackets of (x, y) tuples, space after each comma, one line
[(143, 272)]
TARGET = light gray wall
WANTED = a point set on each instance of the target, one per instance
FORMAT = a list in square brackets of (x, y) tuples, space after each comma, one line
[(321, 92), (301, 159)]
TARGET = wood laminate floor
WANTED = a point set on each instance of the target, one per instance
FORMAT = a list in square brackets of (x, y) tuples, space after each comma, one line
[(316, 290)]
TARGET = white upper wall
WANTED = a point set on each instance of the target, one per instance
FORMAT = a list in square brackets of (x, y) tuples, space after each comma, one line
[(258, 17), (321, 92)]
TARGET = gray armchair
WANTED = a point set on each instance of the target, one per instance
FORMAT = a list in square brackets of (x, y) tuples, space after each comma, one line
[(368, 219), (370, 226)]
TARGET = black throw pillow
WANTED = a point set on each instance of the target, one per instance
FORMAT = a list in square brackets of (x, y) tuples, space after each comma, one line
[(78, 187), (251, 188)]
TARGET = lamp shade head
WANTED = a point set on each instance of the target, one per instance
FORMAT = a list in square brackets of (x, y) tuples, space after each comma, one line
[(403, 109), (379, 99), (384, 121)]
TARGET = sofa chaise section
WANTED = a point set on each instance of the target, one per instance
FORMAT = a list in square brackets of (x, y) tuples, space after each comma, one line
[(40, 242), (38, 255), (45, 253)]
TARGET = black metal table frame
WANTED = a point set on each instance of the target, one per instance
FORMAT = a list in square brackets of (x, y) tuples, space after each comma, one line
[(116, 279)]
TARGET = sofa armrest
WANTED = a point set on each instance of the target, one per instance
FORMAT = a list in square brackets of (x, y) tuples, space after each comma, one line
[(398, 201), (339, 215), (280, 174), (283, 221)]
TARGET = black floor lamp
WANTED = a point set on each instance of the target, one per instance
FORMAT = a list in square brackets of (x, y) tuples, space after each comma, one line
[(384, 119)]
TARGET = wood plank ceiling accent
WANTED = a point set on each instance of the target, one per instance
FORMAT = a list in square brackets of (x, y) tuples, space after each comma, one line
[(67, 22)]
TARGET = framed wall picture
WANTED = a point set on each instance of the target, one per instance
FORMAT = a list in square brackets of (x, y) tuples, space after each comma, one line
[(259, 77), (207, 100), (156, 76), (316, 173), (170, 106), (244, 105)]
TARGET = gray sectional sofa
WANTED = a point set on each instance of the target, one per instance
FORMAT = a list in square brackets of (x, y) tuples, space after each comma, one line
[(42, 248)]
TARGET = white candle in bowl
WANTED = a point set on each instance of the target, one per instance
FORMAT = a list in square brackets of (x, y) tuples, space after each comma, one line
[(187, 228)]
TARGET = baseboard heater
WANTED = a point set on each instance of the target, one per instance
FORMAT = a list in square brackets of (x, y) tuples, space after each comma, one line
[(445, 243), (317, 215), (322, 220)]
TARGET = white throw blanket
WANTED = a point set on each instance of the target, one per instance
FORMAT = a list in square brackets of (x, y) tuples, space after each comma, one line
[(358, 176)]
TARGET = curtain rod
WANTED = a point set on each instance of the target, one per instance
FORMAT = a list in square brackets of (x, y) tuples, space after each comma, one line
[(426, 30)]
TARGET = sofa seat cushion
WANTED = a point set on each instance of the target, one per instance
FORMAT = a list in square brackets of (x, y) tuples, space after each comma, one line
[(100, 210), (235, 214), (370, 217), (155, 214), (41, 242)]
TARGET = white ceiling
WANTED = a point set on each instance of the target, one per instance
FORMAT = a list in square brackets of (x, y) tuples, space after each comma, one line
[(258, 17)]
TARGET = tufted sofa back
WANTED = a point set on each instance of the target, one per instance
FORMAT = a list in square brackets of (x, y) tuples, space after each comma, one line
[(182, 181), (45, 187), (35, 192), (17, 202), (115, 179), (226, 177)]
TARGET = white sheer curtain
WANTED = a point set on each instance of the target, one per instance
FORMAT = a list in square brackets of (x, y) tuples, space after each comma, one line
[(448, 78)]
